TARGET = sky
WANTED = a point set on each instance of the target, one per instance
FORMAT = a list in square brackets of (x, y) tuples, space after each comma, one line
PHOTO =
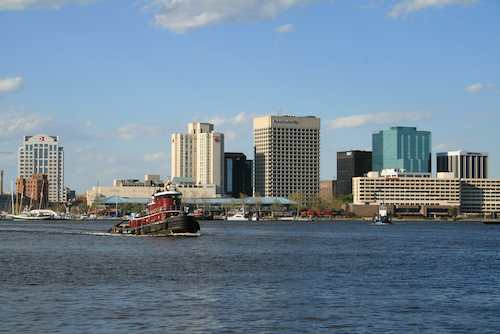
[(114, 79)]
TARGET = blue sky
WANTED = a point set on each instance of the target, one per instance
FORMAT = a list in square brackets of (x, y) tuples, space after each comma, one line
[(114, 79)]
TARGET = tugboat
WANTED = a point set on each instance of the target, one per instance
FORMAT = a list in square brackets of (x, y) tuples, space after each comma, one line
[(163, 216), (382, 217)]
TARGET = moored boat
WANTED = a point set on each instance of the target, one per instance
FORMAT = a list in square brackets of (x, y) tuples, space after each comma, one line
[(382, 217), (27, 217), (163, 216), (238, 216)]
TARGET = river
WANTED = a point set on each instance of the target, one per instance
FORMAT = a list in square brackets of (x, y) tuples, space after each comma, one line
[(251, 277)]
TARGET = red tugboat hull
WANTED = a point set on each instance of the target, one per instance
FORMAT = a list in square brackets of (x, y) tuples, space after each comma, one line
[(163, 216)]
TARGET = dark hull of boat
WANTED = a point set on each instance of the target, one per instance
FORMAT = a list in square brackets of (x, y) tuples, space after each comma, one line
[(382, 221), (170, 226), (491, 222)]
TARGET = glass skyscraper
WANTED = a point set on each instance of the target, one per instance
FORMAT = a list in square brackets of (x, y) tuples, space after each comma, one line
[(401, 148)]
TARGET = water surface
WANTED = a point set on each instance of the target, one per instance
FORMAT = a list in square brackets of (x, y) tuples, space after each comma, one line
[(255, 277)]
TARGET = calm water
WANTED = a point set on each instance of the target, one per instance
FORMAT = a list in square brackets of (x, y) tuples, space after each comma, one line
[(255, 277)]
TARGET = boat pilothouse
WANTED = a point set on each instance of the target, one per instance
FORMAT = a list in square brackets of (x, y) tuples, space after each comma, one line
[(161, 206), (163, 215)]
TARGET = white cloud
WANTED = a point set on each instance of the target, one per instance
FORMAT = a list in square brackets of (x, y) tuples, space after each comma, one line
[(285, 28), (9, 85), (131, 132), (475, 88), (82, 149), (20, 121), (453, 144), (32, 4), (484, 115), (153, 157), (230, 135), (240, 118), (400, 10), (385, 117), (490, 86), (181, 16), (372, 4)]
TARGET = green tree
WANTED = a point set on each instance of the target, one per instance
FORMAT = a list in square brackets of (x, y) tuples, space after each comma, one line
[(275, 207), (299, 198), (242, 199), (452, 212)]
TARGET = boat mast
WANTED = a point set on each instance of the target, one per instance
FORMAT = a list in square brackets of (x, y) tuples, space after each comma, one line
[(12, 196)]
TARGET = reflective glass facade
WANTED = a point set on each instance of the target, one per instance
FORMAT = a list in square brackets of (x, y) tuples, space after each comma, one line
[(401, 148)]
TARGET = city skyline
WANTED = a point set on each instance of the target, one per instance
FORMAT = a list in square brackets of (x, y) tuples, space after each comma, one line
[(115, 80)]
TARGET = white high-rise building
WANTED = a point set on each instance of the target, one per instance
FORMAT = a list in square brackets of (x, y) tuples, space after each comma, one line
[(463, 164), (199, 154), (41, 154), (286, 155)]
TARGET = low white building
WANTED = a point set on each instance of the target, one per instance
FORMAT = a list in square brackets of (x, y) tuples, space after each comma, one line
[(467, 195), (126, 188), (135, 189)]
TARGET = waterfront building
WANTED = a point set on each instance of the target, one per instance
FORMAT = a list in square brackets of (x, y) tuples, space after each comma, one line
[(130, 188), (286, 155), (199, 154), (401, 148), (41, 154), (351, 164), (426, 196), (463, 164), (238, 177)]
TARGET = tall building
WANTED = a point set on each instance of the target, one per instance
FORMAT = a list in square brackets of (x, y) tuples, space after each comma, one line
[(238, 177), (41, 154), (327, 188), (286, 155), (351, 164), (401, 148), (199, 154), (463, 164)]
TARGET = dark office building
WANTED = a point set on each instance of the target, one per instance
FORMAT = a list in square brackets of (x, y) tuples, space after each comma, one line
[(238, 177), (351, 164)]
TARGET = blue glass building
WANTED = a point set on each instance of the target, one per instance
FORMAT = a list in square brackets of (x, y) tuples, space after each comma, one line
[(401, 148)]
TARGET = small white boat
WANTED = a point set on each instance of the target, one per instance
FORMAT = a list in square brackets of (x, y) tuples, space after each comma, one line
[(382, 217), (27, 217), (239, 216)]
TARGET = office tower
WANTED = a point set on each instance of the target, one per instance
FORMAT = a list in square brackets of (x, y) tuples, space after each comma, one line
[(238, 177), (327, 189), (199, 154), (41, 154), (401, 148), (463, 164), (286, 155), (351, 164)]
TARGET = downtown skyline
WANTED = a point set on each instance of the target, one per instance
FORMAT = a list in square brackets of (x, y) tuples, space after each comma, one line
[(114, 80)]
